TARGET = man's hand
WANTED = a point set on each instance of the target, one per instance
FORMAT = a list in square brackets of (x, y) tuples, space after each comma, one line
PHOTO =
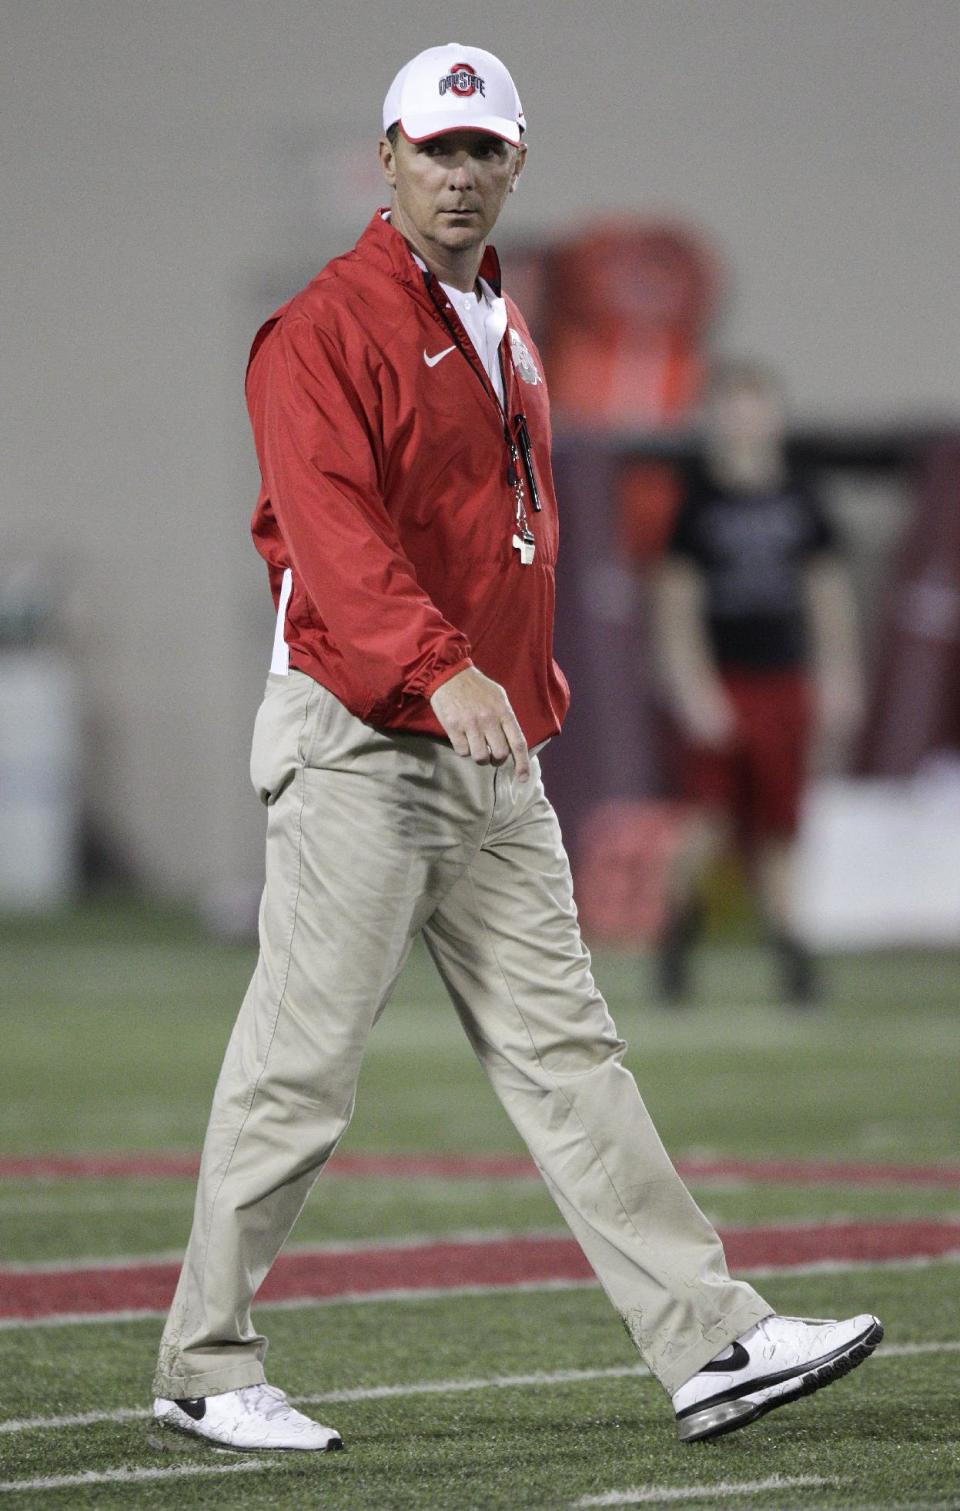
[(697, 696), (839, 710), (839, 683), (476, 714)]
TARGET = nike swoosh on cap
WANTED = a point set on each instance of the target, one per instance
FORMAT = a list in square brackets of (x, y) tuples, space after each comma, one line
[(432, 361)]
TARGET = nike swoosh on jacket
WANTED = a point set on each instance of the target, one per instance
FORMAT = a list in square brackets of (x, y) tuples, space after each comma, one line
[(432, 361)]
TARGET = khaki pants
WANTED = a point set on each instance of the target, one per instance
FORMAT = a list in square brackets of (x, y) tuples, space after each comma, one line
[(372, 838)]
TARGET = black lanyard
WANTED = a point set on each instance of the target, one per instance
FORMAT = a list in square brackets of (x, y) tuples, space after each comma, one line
[(519, 449)]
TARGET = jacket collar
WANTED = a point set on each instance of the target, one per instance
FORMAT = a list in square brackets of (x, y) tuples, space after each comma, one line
[(383, 245)]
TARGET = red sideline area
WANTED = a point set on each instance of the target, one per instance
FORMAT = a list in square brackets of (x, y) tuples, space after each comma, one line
[(480, 1167), (501, 1262)]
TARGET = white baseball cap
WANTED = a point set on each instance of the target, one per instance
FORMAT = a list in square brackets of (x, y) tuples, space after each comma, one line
[(454, 88)]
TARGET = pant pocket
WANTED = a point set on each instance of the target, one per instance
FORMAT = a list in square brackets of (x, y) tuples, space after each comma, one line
[(279, 732), (322, 711)]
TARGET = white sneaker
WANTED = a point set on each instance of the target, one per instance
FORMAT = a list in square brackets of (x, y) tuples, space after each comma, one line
[(776, 1361), (256, 1416)]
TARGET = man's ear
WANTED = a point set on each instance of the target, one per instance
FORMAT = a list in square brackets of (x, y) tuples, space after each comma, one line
[(518, 165), (388, 161)]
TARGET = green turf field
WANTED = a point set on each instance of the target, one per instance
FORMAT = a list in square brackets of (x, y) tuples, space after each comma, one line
[(113, 1024)]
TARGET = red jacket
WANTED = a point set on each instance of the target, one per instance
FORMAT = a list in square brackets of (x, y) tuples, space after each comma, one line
[(386, 490)]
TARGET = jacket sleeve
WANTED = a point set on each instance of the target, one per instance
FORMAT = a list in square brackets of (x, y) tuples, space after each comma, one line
[(316, 431)]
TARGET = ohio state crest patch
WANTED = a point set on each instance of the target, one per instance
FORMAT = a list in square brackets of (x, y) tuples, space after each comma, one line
[(462, 80), (522, 360)]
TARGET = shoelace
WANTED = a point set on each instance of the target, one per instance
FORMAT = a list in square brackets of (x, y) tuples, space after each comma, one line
[(771, 1343), (265, 1400)]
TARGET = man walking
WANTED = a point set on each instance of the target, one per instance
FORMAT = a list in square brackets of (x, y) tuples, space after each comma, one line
[(408, 520)]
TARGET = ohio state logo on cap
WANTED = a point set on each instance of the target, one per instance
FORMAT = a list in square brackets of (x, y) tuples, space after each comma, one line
[(462, 81)]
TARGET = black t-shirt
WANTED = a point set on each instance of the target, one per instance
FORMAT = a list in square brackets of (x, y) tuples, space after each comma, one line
[(752, 549)]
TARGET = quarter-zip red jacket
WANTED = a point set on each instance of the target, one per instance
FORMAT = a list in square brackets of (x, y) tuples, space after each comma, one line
[(387, 490)]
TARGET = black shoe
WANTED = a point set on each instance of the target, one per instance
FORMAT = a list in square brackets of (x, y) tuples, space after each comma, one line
[(800, 983), (673, 954)]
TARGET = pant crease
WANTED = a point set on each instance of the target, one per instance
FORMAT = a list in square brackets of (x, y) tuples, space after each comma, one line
[(556, 1086), (266, 1055)]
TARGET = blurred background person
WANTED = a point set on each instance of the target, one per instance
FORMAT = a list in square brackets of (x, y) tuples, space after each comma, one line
[(756, 635)]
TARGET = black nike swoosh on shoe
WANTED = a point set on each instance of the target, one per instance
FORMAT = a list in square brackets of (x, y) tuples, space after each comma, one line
[(856, 1350), (195, 1407), (737, 1359)]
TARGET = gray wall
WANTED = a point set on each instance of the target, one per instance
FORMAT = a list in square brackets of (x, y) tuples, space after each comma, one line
[(174, 167)]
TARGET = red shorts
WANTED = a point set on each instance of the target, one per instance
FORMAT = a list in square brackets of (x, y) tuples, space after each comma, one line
[(759, 779)]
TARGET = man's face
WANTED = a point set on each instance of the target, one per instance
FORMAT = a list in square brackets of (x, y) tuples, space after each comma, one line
[(746, 417), (449, 190)]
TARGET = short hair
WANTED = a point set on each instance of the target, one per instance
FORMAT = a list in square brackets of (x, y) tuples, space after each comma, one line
[(392, 134)]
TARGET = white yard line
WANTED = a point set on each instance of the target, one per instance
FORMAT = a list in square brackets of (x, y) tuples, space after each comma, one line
[(77, 1419), (128, 1476), (75, 1201), (839, 1266), (89, 1262), (495, 1382), (74, 1319), (657, 1494), (358, 1393), (910, 1350), (536, 1380)]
